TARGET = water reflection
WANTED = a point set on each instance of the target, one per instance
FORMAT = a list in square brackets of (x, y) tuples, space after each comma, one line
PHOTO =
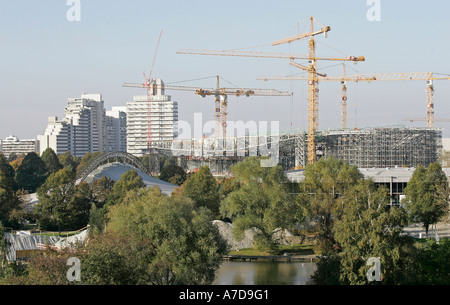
[(264, 273)]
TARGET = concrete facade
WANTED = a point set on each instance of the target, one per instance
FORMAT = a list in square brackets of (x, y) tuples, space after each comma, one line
[(82, 130), (153, 121), (12, 144), (116, 130)]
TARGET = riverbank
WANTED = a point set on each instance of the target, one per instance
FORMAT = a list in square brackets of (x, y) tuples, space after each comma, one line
[(285, 253), (272, 258)]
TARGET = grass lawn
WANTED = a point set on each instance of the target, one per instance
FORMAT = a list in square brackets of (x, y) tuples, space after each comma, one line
[(292, 250)]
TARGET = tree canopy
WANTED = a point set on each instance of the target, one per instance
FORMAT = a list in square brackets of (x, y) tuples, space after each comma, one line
[(61, 204), (370, 228), (261, 202), (51, 161), (168, 242), (203, 189), (324, 186), (173, 173), (32, 173), (68, 161), (427, 195), (9, 202)]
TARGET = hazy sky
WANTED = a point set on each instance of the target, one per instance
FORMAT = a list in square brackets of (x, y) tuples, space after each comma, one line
[(45, 58)]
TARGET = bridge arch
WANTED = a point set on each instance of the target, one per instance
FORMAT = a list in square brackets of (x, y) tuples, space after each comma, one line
[(108, 157)]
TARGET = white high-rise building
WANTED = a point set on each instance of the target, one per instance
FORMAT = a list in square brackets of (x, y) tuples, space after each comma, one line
[(87, 115), (116, 129), (82, 130), (155, 124), (57, 136)]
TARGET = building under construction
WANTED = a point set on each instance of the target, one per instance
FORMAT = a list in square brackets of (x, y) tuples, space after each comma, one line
[(383, 147), (365, 148)]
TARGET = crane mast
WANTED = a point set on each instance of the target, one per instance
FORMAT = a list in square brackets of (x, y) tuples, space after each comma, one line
[(429, 77), (313, 83), (313, 75), (221, 99)]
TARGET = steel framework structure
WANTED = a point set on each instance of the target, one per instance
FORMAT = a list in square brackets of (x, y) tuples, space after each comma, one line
[(366, 148)]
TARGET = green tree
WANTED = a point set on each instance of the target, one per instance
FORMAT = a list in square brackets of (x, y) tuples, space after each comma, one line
[(434, 263), (47, 269), (12, 156), (128, 182), (61, 204), (9, 202), (32, 173), (51, 161), (203, 189), (101, 190), (85, 160), (173, 173), (6, 168), (68, 161), (4, 249), (261, 202), (98, 193), (328, 270), (323, 188), (115, 259), (105, 193), (370, 228), (427, 195), (170, 243), (227, 186)]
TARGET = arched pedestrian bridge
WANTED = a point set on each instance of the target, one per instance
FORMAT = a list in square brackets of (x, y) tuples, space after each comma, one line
[(118, 157), (114, 165)]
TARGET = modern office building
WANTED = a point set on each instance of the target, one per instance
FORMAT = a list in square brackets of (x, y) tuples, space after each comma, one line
[(151, 123), (12, 144), (116, 130)]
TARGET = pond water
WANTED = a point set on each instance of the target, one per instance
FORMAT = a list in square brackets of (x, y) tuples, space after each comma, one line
[(264, 273)]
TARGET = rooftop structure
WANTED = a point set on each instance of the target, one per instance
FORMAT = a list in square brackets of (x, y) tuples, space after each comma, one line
[(395, 179), (115, 171)]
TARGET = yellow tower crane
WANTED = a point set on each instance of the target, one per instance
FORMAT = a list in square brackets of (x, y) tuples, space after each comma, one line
[(221, 98), (313, 75), (429, 77)]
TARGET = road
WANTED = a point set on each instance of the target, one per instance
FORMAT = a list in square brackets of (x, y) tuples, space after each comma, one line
[(416, 230)]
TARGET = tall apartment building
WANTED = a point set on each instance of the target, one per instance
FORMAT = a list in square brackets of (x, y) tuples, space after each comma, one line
[(87, 115), (12, 144), (57, 136), (82, 130), (155, 123), (116, 129)]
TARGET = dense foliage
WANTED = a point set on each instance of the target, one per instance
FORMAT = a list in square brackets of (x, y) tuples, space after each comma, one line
[(139, 236), (427, 195), (260, 201)]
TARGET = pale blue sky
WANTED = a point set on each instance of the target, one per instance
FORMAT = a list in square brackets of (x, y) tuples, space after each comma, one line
[(45, 59)]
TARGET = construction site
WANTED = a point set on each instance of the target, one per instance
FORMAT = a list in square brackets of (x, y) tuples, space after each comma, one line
[(366, 148), (378, 147)]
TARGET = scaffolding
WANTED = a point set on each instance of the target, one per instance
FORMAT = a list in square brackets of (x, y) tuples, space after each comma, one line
[(383, 147), (365, 148)]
